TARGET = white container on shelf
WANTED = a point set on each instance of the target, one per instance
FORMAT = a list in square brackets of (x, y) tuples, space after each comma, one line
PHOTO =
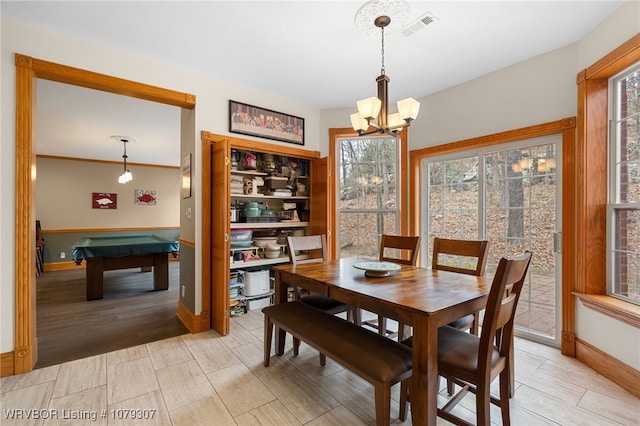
[(258, 303), (256, 282)]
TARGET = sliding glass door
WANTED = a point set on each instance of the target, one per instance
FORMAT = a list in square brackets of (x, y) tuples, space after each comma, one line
[(509, 195)]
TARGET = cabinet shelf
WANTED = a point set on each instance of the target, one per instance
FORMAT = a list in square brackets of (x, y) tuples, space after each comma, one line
[(269, 225), (261, 262), (248, 172), (273, 197)]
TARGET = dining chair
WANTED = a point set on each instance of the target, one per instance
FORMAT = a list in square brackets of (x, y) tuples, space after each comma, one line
[(464, 257), (396, 249), (314, 249), (473, 362)]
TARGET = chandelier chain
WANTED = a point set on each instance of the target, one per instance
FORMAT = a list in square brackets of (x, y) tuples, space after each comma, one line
[(382, 53)]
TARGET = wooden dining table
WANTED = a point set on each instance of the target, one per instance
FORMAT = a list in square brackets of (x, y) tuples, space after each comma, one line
[(420, 297)]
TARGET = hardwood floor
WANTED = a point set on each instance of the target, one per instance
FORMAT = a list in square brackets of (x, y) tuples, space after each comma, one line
[(69, 327), (209, 379)]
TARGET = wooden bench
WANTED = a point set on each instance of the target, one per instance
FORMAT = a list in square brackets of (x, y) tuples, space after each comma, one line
[(380, 361)]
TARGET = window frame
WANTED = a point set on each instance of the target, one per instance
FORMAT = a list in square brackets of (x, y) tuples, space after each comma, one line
[(402, 176), (591, 161), (615, 204)]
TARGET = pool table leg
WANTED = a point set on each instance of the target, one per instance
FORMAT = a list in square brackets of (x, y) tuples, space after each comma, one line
[(161, 271), (95, 284)]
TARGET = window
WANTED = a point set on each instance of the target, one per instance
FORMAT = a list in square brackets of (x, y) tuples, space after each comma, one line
[(368, 192), (624, 186)]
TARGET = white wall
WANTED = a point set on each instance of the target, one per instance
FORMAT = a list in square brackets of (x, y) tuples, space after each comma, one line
[(211, 114)]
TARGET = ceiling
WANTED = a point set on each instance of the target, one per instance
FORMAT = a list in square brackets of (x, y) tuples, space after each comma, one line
[(308, 51)]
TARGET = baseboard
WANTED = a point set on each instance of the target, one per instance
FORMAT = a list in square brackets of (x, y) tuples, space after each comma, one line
[(6, 364), (194, 323), (62, 266), (613, 369)]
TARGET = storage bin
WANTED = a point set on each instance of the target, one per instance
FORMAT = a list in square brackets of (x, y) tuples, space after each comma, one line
[(238, 235), (256, 282), (275, 182), (258, 303)]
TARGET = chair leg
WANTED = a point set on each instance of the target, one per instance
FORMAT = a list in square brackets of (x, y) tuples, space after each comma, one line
[(268, 338), (405, 385), (354, 315), (451, 387), (475, 325), (505, 389), (382, 325), (296, 346), (512, 373), (483, 402), (383, 404)]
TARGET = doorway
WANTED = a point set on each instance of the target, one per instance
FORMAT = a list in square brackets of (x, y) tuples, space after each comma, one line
[(27, 71)]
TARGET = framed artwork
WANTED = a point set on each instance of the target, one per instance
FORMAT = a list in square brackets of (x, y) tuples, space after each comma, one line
[(104, 200), (265, 123), (186, 176), (146, 197)]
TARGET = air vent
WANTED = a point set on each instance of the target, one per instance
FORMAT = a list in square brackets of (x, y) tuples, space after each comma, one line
[(419, 24)]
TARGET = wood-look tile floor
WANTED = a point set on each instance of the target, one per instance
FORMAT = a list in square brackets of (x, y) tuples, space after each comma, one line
[(208, 379)]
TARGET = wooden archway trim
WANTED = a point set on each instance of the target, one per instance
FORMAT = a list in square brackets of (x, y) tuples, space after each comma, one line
[(28, 69)]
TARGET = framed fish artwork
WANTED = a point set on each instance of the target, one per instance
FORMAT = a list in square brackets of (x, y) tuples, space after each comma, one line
[(104, 200), (146, 198)]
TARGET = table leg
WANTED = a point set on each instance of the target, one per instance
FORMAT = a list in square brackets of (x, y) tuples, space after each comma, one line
[(280, 288), (160, 271), (94, 277), (424, 391)]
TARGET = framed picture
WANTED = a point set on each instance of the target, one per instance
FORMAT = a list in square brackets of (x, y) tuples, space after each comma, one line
[(104, 200), (186, 176), (145, 197), (265, 123)]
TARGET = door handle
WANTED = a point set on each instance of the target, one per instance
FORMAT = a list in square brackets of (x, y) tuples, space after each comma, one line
[(557, 242)]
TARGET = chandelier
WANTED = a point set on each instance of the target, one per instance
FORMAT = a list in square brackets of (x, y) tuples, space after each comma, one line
[(126, 175), (373, 113)]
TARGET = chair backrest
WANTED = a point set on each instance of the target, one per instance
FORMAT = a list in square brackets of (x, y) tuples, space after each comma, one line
[(314, 245), (459, 255), (399, 249), (501, 305)]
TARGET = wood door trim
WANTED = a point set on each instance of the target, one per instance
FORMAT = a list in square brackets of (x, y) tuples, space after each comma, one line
[(29, 69)]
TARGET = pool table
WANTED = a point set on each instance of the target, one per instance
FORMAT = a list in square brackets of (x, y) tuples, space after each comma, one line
[(131, 251)]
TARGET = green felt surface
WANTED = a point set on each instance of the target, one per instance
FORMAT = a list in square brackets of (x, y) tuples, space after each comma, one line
[(122, 246)]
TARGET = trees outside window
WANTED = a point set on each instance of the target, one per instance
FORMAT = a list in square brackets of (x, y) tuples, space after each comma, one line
[(368, 193)]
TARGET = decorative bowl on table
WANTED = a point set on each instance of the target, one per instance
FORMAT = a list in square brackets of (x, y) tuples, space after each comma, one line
[(377, 269)]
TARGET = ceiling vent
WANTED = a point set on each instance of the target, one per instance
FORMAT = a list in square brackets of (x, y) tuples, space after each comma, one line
[(419, 24)]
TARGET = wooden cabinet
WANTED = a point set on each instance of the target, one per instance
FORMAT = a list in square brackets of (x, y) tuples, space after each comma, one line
[(217, 262)]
